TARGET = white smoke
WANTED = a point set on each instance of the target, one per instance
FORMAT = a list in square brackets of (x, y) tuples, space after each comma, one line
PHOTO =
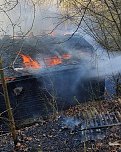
[(106, 63), (26, 15), (71, 122), (22, 17)]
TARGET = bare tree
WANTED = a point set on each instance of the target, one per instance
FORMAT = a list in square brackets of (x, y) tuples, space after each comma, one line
[(102, 20), (5, 9)]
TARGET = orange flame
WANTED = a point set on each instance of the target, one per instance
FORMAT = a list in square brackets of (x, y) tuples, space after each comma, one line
[(66, 56), (29, 62), (52, 61), (8, 79)]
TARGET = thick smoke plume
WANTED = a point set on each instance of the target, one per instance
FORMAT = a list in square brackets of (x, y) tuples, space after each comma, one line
[(106, 63), (100, 65), (45, 18), (27, 15)]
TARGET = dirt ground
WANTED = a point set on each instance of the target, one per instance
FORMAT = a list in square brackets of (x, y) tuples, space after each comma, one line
[(63, 132)]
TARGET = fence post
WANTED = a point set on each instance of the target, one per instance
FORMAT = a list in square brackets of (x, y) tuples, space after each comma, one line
[(7, 103)]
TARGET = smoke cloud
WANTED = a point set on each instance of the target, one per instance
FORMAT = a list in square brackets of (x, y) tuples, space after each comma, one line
[(106, 63), (45, 19), (26, 14)]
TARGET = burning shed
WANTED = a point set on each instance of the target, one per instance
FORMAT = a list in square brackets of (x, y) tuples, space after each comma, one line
[(56, 82)]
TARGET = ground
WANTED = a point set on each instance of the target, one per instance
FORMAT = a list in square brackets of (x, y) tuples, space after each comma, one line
[(66, 131)]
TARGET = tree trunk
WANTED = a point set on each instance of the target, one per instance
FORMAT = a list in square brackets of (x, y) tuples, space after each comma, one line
[(7, 103)]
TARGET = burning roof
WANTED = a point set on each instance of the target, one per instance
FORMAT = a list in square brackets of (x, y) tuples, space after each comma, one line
[(37, 52), (29, 62)]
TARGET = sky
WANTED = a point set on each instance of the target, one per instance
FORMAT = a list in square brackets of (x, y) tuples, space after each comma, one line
[(22, 17)]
